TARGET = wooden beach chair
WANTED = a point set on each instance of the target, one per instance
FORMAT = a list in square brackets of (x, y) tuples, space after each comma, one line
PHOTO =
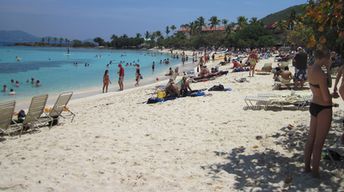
[(60, 106), (6, 113)]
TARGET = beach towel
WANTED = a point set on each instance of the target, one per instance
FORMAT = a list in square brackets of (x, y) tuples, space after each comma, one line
[(197, 94)]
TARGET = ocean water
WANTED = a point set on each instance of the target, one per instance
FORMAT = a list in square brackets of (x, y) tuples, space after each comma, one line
[(57, 71)]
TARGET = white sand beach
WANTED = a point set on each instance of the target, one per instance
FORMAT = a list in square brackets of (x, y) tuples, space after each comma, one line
[(118, 143)]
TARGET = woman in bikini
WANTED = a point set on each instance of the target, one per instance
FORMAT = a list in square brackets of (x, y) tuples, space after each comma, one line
[(320, 110), (106, 81), (253, 60)]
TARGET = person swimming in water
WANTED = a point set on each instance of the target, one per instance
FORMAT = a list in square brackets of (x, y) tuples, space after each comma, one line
[(4, 88), (17, 84), (12, 92), (38, 83)]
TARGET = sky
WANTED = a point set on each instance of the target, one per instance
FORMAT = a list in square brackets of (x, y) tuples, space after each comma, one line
[(85, 19)]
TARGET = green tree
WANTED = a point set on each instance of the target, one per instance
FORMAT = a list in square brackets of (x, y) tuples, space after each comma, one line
[(224, 22), (99, 41), (61, 40), (173, 28), (253, 20), (55, 40), (167, 30), (214, 21), (242, 21)]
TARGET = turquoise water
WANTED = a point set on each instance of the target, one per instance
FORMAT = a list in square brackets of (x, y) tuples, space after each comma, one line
[(57, 71)]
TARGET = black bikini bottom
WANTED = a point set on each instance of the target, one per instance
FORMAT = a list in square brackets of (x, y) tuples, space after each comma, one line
[(315, 109)]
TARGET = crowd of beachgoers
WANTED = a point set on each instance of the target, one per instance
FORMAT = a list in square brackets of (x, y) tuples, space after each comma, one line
[(282, 69), (16, 84)]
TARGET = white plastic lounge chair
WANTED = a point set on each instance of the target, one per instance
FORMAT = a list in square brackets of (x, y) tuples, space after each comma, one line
[(6, 113), (60, 106), (36, 109), (272, 100)]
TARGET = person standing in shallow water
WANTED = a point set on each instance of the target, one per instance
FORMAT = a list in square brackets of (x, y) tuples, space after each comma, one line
[(106, 81), (153, 66), (120, 77), (320, 110)]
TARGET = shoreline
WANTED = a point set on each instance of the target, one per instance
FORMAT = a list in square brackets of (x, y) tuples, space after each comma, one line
[(113, 88)]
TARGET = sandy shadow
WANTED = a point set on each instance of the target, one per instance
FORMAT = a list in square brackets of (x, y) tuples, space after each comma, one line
[(266, 169)]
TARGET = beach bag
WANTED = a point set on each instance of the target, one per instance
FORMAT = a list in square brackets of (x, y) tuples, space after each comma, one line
[(161, 94), (217, 88)]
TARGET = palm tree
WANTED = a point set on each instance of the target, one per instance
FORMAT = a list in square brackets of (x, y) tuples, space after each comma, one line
[(138, 35), (242, 21), (55, 40), (167, 31), (61, 40), (224, 22), (194, 27), (214, 21), (253, 20), (173, 28), (43, 39), (49, 39), (200, 22), (281, 26), (147, 35), (66, 41)]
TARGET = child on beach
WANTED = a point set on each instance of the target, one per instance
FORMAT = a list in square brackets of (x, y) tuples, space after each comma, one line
[(106, 81)]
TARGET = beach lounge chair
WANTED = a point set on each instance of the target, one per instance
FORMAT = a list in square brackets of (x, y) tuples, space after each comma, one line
[(271, 100), (266, 69), (36, 109), (6, 113), (60, 105), (258, 102)]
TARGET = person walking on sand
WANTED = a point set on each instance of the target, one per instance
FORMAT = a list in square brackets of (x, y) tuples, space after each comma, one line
[(320, 110), (253, 60), (120, 77), (106, 81), (138, 75)]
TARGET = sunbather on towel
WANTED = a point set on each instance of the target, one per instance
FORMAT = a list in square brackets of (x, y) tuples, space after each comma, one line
[(185, 87), (171, 89)]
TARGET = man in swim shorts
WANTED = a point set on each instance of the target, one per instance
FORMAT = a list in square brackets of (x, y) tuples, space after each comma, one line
[(300, 64), (121, 77)]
